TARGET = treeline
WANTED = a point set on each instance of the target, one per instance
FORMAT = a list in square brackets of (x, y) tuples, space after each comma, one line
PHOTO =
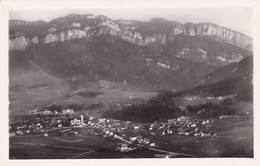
[(213, 110), (154, 110), (149, 112), (163, 107)]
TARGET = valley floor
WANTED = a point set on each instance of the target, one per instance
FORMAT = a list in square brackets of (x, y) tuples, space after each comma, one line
[(229, 136), (234, 138)]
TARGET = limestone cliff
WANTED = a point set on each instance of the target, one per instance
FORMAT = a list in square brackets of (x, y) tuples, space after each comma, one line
[(131, 32), (19, 43), (154, 33)]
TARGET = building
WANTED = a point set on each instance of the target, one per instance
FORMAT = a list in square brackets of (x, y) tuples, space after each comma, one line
[(68, 111), (82, 119), (46, 112), (75, 122)]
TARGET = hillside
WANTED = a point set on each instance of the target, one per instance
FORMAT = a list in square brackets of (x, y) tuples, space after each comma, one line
[(30, 86), (230, 87), (244, 67), (228, 80), (110, 58)]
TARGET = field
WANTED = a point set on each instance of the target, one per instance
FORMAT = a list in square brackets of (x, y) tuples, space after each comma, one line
[(234, 139), (23, 99), (85, 146)]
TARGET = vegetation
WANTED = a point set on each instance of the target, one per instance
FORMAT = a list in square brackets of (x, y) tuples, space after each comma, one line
[(95, 106), (164, 97), (145, 113), (161, 109), (211, 110), (245, 94)]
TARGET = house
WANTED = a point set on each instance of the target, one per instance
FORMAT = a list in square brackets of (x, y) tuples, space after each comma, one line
[(152, 145), (68, 111), (76, 122), (205, 122), (19, 132), (182, 119), (111, 134), (169, 131), (196, 134), (101, 120), (132, 138), (46, 112), (124, 148), (172, 121)]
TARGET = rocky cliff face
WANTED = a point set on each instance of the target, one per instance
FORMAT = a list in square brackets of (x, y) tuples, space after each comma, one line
[(132, 32), (64, 36), (19, 42), (155, 33), (220, 33)]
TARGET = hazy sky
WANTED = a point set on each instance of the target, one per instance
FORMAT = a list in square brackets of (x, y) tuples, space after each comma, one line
[(238, 19)]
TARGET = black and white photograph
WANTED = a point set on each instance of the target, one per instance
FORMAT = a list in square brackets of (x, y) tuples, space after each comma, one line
[(135, 83)]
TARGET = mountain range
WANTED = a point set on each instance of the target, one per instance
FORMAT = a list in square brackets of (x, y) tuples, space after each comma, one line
[(155, 54)]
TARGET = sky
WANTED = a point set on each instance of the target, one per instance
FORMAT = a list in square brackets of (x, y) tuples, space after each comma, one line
[(238, 19)]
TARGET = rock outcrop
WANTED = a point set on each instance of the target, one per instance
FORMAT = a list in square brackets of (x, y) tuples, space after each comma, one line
[(220, 33), (64, 36), (19, 43)]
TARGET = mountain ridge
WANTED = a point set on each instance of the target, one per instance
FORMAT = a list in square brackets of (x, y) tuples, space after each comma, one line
[(139, 35), (91, 48), (23, 22)]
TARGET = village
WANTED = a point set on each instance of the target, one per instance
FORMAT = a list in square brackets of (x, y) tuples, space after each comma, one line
[(130, 136)]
